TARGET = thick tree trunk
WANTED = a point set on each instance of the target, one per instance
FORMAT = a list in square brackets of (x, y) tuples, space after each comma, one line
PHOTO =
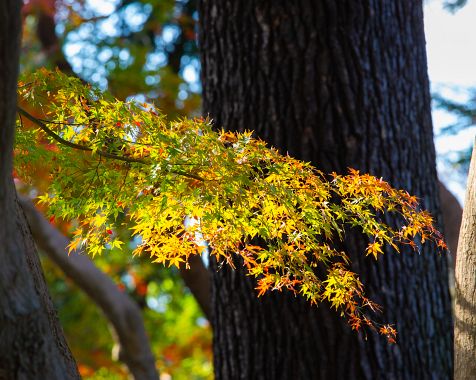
[(342, 84), (32, 345), (465, 308)]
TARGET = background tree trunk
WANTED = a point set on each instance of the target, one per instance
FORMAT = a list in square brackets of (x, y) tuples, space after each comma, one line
[(342, 84), (465, 308), (32, 345)]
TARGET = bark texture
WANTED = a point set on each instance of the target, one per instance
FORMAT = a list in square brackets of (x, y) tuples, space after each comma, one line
[(32, 345), (342, 84), (122, 312), (465, 308)]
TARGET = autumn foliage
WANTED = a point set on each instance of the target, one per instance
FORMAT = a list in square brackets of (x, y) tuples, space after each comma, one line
[(184, 188)]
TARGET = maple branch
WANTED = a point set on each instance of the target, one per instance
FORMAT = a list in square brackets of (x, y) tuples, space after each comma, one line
[(42, 124), (121, 311), (70, 144)]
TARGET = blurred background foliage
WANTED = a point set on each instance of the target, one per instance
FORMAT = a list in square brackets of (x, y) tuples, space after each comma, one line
[(144, 50)]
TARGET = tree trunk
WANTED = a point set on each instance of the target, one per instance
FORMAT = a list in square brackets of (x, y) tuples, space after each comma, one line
[(341, 84), (465, 308), (32, 345)]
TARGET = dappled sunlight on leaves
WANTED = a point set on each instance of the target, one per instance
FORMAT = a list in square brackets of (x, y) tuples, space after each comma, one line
[(139, 168)]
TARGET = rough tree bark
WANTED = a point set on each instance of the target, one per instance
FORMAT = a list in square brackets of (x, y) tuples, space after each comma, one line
[(342, 84), (465, 307), (32, 345)]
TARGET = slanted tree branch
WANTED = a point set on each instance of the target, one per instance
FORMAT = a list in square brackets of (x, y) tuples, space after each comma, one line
[(122, 312)]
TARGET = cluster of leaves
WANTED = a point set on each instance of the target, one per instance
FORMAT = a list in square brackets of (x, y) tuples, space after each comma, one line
[(283, 217)]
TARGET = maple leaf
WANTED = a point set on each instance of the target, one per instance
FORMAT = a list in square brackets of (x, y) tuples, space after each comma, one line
[(374, 249)]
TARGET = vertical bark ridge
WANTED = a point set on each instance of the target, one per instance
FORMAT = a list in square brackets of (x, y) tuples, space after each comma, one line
[(465, 305)]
